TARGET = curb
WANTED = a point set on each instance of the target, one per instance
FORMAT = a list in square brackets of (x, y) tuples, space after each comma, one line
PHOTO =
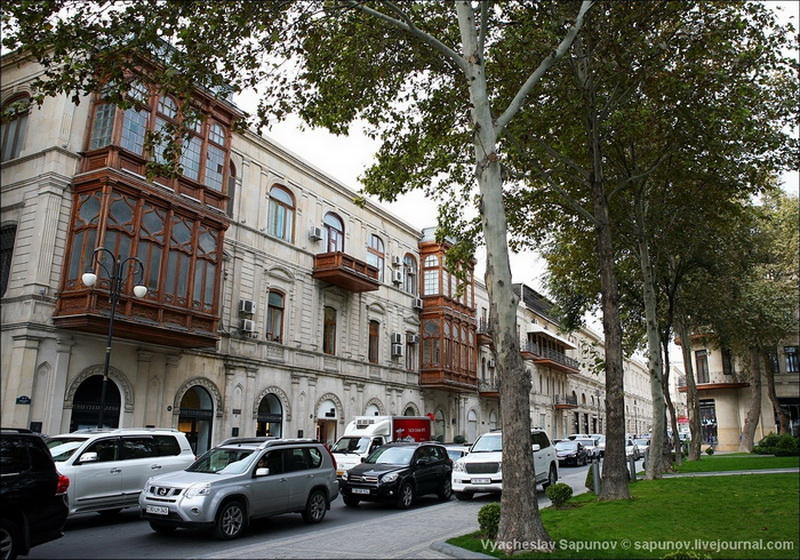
[(730, 473), (456, 551)]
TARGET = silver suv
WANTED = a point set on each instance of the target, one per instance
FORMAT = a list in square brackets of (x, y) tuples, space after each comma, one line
[(242, 479), (107, 468)]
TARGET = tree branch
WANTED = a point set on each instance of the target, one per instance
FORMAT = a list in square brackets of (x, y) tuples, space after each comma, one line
[(486, 7), (549, 60), (582, 174), (664, 155), (408, 26), (569, 201)]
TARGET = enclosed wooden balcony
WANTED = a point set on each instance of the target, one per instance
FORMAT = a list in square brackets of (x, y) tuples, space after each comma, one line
[(448, 380), (340, 269)]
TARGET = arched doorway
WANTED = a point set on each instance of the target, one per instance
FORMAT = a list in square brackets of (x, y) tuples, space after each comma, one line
[(493, 420), (439, 426), (196, 418), (326, 421), (372, 410), (86, 404), (270, 417), (472, 426)]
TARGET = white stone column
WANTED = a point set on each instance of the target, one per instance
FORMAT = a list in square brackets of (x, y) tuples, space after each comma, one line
[(25, 351), (56, 418), (140, 387), (169, 418)]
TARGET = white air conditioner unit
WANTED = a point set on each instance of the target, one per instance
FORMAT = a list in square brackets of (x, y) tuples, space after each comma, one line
[(418, 303), (397, 350), (490, 364), (247, 326), (397, 276), (246, 306), (396, 260), (397, 338), (412, 338), (315, 233)]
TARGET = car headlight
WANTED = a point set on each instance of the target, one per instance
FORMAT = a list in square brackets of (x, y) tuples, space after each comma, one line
[(458, 466), (499, 467), (198, 490), (148, 483), (389, 478), (344, 475)]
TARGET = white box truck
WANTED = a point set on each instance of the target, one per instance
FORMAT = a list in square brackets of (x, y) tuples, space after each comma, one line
[(364, 434)]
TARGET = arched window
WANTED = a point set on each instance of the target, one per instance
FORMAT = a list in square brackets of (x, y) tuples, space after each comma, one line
[(275, 305), (431, 342), (376, 254), (410, 278), (14, 125), (431, 275), (7, 236), (280, 216), (215, 157), (135, 119), (374, 341), (334, 232), (205, 269), (329, 331)]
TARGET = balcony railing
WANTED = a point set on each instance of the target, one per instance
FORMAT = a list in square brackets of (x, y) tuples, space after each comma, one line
[(490, 386), (484, 336), (532, 351), (346, 272), (565, 401), (715, 380)]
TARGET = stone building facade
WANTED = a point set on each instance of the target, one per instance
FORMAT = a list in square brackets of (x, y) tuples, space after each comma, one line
[(275, 305)]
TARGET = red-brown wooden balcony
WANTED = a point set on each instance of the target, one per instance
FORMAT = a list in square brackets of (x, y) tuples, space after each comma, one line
[(565, 402), (340, 269), (547, 357), (138, 319), (448, 379)]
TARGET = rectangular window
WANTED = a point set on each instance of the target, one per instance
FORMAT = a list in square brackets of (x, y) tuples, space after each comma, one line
[(411, 354), (134, 126), (727, 362), (701, 364), (774, 364), (215, 167), (792, 359), (7, 236), (431, 282), (102, 127), (329, 331), (190, 158), (374, 341)]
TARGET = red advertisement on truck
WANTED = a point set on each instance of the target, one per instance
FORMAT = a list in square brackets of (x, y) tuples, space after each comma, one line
[(417, 428)]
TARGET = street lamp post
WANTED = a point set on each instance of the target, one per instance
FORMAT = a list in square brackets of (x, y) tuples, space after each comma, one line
[(115, 276)]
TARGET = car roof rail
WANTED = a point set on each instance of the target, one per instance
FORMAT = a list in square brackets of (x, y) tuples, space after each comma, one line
[(288, 441), (246, 440), (17, 430)]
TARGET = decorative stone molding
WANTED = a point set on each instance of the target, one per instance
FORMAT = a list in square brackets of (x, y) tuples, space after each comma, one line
[(205, 384), (377, 402), (412, 405), (113, 373), (280, 273), (282, 396), (337, 403)]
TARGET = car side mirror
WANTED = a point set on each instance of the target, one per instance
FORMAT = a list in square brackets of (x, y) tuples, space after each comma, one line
[(89, 457), (536, 447), (363, 459), (263, 471)]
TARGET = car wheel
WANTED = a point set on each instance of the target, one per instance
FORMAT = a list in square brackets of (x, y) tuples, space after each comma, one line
[(446, 491), (463, 496), (316, 506), (350, 501), (405, 497), (162, 528), (10, 539), (230, 522), (552, 477), (110, 513)]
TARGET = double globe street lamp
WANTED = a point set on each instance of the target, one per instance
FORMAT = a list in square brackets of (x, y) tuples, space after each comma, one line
[(115, 277)]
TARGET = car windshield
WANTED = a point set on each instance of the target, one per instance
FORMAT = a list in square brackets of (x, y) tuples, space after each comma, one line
[(455, 454), (223, 461), (641, 441), (488, 443), (585, 442), (62, 448), (566, 444), (356, 445), (391, 455)]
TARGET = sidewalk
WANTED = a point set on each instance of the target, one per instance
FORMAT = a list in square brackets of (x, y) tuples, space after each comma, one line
[(729, 473)]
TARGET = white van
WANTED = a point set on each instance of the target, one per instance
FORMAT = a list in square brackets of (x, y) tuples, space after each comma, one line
[(481, 470), (107, 468)]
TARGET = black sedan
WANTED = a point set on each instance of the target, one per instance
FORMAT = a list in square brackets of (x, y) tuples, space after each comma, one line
[(398, 473), (570, 452)]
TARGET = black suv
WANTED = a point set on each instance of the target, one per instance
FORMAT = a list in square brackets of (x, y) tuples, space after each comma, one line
[(33, 505), (399, 472)]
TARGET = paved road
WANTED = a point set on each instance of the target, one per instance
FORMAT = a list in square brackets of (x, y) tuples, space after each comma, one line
[(369, 531)]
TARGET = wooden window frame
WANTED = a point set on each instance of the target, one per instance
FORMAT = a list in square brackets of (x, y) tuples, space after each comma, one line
[(288, 231), (268, 333)]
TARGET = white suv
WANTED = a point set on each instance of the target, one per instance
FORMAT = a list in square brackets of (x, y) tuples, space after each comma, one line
[(107, 468), (481, 469)]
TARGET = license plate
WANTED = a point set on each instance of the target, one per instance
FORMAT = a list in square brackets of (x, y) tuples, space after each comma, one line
[(360, 490), (481, 480), (158, 510)]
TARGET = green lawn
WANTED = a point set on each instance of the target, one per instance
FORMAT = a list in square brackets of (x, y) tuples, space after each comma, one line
[(737, 463), (731, 509)]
